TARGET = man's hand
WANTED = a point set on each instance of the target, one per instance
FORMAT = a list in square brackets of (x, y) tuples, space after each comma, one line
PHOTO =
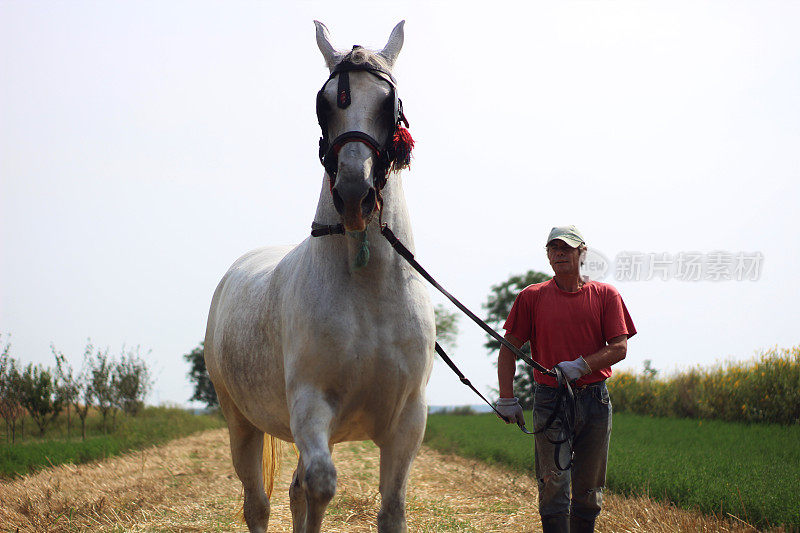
[(574, 369), (512, 410)]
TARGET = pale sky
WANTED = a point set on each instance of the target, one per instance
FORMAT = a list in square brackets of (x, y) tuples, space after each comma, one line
[(144, 146)]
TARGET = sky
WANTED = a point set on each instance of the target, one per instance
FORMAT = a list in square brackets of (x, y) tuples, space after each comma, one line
[(144, 146)]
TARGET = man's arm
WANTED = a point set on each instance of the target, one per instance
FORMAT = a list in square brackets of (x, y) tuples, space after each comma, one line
[(507, 367), (610, 354), (613, 352)]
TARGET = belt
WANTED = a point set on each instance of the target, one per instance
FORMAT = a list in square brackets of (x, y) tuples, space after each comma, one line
[(574, 386), (586, 386)]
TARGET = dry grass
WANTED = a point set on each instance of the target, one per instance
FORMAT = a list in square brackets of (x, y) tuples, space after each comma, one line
[(189, 485)]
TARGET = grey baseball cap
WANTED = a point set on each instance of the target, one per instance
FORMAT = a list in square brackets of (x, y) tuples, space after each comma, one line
[(568, 234)]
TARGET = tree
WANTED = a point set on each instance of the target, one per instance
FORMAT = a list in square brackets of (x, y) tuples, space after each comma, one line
[(446, 327), (131, 381), (100, 385), (11, 409), (39, 395), (203, 388), (498, 306), (66, 383), (83, 382), (76, 387)]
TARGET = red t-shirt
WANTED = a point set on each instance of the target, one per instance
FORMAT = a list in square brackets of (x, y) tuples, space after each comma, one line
[(563, 325)]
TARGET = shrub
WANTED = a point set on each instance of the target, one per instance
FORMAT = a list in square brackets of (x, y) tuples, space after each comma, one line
[(462, 410), (765, 389)]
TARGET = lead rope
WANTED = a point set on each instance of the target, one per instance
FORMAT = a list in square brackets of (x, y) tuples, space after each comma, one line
[(469, 384), (406, 254), (564, 414)]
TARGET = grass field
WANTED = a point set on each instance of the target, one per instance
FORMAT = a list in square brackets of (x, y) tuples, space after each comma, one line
[(749, 471), (153, 425)]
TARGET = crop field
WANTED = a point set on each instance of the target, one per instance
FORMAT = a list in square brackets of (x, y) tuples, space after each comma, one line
[(750, 472), (188, 484), (736, 474), (153, 425)]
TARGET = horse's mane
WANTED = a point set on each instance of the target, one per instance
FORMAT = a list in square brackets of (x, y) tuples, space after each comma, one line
[(362, 56)]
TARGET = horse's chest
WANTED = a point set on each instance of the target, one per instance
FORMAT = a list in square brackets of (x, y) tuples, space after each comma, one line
[(364, 319), (378, 343), (365, 349)]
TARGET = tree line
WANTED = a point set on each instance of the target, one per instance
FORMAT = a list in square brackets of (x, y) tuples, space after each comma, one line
[(104, 383)]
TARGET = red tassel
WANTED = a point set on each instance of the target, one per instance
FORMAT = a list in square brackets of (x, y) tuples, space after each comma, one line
[(400, 151)]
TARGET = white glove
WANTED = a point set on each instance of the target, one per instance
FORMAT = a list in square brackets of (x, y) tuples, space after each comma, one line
[(512, 410), (574, 369)]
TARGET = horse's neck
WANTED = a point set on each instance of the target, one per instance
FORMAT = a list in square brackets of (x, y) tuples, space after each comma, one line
[(344, 248)]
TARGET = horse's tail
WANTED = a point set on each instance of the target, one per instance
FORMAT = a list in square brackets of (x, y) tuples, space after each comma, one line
[(270, 462)]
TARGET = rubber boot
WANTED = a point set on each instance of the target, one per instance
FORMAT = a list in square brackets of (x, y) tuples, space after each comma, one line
[(555, 523), (580, 525)]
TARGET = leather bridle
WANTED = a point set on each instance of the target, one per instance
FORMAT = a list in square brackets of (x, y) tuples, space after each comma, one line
[(329, 150)]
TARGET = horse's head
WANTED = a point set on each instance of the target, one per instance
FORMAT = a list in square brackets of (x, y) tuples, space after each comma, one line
[(359, 113)]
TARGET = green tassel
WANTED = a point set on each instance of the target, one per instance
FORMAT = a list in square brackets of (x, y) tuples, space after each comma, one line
[(362, 257)]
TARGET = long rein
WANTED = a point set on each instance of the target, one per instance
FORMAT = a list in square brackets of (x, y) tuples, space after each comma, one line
[(564, 410)]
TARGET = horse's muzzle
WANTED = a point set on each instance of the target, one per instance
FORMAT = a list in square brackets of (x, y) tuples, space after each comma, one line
[(354, 202)]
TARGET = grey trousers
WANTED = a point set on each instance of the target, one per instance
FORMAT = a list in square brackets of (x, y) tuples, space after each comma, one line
[(579, 490)]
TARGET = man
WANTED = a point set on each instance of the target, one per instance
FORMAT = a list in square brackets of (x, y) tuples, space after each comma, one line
[(582, 327)]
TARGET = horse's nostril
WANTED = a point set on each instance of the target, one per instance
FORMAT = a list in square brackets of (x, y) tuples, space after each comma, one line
[(368, 203), (338, 203)]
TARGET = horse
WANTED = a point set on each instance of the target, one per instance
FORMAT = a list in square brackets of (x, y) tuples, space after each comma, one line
[(331, 340)]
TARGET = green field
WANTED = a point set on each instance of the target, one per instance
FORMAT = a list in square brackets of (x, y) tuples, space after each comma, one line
[(153, 425), (750, 471)]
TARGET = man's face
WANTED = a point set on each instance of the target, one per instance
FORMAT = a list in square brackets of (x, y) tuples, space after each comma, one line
[(564, 259)]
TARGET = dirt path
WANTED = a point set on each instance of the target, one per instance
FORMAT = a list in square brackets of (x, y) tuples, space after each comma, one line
[(189, 485)]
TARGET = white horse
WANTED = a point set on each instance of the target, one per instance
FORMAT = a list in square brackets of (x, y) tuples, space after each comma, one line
[(312, 346)]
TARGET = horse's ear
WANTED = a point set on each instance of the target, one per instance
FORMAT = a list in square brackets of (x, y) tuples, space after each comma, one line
[(332, 57), (392, 48)]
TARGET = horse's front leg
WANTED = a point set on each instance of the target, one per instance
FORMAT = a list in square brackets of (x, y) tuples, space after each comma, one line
[(311, 418), (297, 499), (399, 447)]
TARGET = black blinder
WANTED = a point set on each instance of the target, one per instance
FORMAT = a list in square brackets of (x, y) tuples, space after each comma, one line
[(323, 110)]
